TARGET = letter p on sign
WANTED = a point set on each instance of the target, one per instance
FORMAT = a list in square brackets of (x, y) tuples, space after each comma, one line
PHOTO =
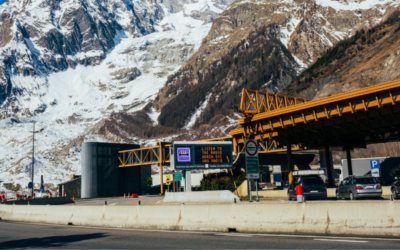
[(374, 164)]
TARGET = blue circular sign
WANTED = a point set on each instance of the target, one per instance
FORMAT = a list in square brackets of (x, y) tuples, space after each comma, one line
[(30, 185)]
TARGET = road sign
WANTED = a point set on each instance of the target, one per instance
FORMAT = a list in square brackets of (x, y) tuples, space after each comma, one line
[(375, 166), (252, 164), (30, 185), (168, 179), (149, 181), (178, 176), (278, 179), (202, 155), (277, 169), (251, 148)]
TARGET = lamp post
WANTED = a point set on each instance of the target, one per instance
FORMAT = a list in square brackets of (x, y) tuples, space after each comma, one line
[(33, 151), (33, 154)]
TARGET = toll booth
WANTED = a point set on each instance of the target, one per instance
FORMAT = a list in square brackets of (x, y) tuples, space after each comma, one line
[(101, 176)]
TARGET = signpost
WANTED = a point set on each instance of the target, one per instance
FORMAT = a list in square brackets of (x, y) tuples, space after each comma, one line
[(178, 176), (188, 155), (252, 164), (202, 155), (168, 180), (277, 179), (375, 167), (277, 175), (149, 181)]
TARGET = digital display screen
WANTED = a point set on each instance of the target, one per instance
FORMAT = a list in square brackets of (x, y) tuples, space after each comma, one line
[(183, 154), (212, 154), (205, 155)]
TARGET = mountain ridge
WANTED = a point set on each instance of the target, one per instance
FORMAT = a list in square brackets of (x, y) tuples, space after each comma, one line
[(307, 29)]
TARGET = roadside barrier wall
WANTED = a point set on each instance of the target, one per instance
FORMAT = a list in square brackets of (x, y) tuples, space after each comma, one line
[(204, 196), (364, 218)]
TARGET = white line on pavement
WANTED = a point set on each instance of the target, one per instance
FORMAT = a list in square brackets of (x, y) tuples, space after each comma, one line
[(235, 235), (352, 241), (327, 237)]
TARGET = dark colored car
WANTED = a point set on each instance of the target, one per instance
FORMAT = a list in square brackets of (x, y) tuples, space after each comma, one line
[(395, 188), (313, 187), (354, 187)]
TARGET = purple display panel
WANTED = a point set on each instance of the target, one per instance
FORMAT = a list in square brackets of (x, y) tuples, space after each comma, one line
[(183, 155)]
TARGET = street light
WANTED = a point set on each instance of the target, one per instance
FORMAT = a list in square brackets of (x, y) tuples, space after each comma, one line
[(33, 151)]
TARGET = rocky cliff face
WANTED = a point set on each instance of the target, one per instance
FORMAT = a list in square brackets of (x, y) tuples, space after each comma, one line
[(369, 57), (305, 29), (40, 38)]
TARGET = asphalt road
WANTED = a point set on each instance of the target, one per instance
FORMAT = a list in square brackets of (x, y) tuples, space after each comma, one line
[(20, 235)]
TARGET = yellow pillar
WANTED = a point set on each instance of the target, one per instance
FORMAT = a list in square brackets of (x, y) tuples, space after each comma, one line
[(173, 179), (161, 170), (290, 162)]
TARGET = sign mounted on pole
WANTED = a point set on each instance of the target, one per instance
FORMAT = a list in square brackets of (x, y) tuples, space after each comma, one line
[(178, 176), (202, 155), (149, 181), (252, 164), (251, 148), (375, 166), (168, 179)]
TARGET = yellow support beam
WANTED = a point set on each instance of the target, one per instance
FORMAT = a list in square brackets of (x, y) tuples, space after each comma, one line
[(349, 102)]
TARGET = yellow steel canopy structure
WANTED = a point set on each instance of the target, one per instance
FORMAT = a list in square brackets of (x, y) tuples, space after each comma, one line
[(282, 124)]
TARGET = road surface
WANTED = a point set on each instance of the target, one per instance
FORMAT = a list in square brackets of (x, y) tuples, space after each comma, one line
[(22, 235)]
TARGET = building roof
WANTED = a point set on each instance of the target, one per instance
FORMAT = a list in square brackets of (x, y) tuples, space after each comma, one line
[(62, 183)]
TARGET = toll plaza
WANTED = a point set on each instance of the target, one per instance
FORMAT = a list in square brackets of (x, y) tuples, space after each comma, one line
[(187, 156), (282, 125)]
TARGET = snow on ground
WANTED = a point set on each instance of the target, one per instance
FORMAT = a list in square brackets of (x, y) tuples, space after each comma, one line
[(197, 113), (76, 99), (353, 4), (287, 31)]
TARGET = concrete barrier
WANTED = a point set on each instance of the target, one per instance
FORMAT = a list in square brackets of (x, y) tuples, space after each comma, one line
[(363, 218), (200, 197)]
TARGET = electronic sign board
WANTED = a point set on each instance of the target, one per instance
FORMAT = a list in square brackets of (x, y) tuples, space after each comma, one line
[(203, 155)]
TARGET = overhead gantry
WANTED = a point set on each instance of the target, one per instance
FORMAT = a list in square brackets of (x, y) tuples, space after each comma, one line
[(347, 120)]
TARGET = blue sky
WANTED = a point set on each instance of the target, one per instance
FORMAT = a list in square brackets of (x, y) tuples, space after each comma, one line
[(2, 1)]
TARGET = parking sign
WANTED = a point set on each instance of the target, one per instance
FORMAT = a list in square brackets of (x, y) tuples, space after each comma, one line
[(375, 165)]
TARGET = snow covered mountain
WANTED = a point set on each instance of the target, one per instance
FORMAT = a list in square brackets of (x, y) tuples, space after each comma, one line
[(71, 64), (260, 44), (68, 64)]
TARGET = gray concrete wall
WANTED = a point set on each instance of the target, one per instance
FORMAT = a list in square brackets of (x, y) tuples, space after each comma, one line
[(367, 218)]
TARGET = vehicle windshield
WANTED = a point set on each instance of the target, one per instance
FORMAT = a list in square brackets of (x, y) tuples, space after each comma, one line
[(312, 181), (365, 181)]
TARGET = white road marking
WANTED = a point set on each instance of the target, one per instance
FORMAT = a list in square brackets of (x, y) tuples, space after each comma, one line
[(352, 241), (113, 204), (325, 237), (235, 235)]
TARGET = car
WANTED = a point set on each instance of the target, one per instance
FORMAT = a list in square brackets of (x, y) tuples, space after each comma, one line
[(395, 188), (313, 187), (354, 187)]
